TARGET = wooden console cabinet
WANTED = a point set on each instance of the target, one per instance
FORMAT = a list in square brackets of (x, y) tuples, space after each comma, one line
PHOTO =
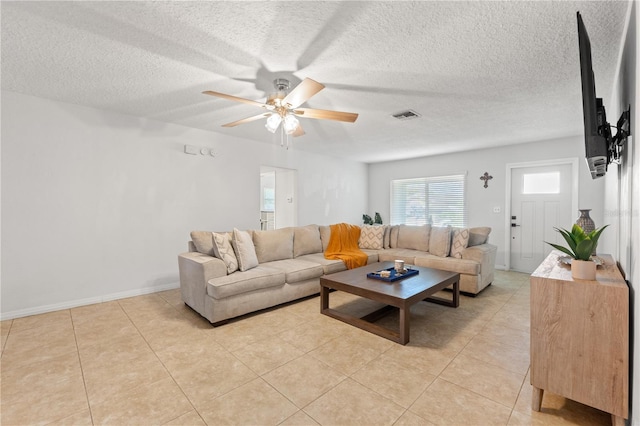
[(580, 336)]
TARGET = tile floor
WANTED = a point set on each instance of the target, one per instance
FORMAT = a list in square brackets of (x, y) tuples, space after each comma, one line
[(150, 360)]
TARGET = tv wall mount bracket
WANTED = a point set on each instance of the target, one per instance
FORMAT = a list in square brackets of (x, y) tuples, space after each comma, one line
[(618, 141)]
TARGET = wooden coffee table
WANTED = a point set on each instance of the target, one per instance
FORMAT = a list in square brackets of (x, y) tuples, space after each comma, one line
[(401, 294)]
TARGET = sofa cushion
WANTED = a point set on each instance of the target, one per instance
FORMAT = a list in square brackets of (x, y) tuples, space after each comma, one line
[(203, 240), (272, 245), (408, 255), (296, 270), (371, 237), (372, 255), (414, 237), (386, 239), (440, 241), (479, 235), (223, 251), (393, 236), (260, 277), (461, 266), (306, 240), (329, 266), (245, 251), (459, 242), (325, 236)]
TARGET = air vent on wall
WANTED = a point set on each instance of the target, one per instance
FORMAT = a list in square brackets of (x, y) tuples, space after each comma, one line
[(406, 115)]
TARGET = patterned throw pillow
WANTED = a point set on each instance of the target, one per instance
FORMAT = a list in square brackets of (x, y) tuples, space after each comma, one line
[(223, 250), (371, 237), (245, 250), (459, 242)]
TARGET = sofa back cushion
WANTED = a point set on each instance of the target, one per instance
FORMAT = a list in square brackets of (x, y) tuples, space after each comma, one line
[(440, 241), (272, 245), (393, 236), (306, 240), (325, 236), (386, 239), (244, 249), (414, 237), (371, 237), (479, 235), (203, 240)]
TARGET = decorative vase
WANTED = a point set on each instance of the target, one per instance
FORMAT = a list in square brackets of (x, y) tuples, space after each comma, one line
[(585, 222), (583, 269)]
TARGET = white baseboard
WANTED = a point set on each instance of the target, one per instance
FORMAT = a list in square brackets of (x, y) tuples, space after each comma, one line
[(88, 301)]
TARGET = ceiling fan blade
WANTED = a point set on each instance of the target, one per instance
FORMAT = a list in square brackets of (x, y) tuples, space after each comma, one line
[(323, 114), (298, 132), (302, 92), (247, 120), (235, 98)]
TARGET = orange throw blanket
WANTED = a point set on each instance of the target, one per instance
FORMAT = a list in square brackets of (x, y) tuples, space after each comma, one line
[(343, 245)]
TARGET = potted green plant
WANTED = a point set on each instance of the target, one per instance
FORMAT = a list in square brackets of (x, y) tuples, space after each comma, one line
[(580, 248)]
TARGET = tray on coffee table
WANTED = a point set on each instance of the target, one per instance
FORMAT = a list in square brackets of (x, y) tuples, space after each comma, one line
[(394, 275)]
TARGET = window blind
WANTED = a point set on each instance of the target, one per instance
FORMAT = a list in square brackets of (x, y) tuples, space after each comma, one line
[(437, 201)]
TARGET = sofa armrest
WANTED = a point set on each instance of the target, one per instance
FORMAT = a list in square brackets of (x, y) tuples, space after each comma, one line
[(485, 254), (196, 269)]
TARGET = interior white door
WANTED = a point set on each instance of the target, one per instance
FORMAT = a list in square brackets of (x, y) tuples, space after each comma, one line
[(278, 197), (540, 200)]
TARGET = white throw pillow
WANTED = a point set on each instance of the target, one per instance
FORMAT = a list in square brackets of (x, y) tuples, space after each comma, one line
[(371, 237), (223, 250), (459, 242), (245, 250)]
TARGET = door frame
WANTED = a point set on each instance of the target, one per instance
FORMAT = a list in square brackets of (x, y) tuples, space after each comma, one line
[(575, 186)]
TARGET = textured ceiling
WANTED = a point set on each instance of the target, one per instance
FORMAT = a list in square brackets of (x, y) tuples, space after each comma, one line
[(481, 73)]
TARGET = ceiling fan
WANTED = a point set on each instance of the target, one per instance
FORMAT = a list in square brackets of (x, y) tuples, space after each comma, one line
[(284, 108)]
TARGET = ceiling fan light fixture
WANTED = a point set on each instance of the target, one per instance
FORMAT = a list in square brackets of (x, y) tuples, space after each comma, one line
[(290, 124), (273, 122)]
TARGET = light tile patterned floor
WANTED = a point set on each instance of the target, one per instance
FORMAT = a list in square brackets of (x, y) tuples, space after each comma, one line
[(150, 360)]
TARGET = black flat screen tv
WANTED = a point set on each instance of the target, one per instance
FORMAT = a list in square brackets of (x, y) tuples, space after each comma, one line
[(597, 132)]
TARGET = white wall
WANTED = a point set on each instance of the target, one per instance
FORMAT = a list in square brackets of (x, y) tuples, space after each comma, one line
[(622, 204), (481, 201), (97, 205)]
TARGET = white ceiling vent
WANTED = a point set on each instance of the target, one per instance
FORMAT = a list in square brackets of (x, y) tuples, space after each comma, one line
[(406, 115)]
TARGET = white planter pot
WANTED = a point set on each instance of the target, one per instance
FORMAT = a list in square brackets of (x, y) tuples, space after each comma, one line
[(583, 269)]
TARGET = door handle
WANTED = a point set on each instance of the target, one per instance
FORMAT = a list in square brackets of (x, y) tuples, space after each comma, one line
[(513, 225)]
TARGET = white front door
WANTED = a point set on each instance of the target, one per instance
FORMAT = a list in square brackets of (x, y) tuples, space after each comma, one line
[(541, 199)]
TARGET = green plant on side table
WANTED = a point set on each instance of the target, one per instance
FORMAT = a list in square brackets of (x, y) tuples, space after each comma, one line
[(581, 247)]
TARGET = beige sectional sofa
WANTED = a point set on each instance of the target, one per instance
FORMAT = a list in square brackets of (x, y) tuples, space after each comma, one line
[(225, 275)]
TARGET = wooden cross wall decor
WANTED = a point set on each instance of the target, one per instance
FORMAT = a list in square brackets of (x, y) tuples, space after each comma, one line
[(486, 178)]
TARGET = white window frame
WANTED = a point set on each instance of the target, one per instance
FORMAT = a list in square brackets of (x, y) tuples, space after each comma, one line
[(397, 186)]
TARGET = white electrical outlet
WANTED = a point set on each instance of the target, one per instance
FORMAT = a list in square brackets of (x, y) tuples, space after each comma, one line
[(496, 209)]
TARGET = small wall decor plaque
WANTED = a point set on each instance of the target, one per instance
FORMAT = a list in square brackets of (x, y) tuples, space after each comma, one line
[(486, 178)]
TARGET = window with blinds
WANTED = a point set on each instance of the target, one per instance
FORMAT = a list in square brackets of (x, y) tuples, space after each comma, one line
[(438, 201)]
